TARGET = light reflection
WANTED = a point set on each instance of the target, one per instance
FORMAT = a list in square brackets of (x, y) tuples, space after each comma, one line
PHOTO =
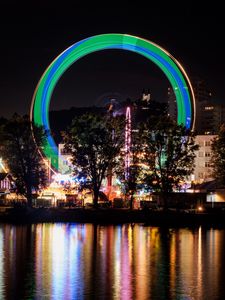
[(173, 257), (125, 261), (199, 265), (117, 274), (60, 252), (1, 262), (75, 261)]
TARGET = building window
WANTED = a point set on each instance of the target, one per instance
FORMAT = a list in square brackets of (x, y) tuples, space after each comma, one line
[(64, 152), (207, 164), (200, 175), (200, 154), (207, 154), (207, 143), (209, 107), (201, 163)]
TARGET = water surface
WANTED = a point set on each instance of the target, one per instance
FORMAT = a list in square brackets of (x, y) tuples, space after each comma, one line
[(75, 261)]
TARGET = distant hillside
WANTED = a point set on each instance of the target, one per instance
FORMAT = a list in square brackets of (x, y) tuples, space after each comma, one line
[(60, 120)]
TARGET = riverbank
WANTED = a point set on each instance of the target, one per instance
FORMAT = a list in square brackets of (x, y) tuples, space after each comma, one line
[(111, 216)]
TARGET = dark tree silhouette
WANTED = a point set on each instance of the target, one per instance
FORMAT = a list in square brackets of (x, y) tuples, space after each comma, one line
[(21, 155), (169, 152), (218, 156), (95, 143)]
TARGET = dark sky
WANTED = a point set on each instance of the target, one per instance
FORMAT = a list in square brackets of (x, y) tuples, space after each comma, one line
[(34, 33)]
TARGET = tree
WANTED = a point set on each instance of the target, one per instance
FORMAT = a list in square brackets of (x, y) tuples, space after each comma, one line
[(130, 184), (218, 156), (169, 152), (131, 176), (95, 143), (21, 155)]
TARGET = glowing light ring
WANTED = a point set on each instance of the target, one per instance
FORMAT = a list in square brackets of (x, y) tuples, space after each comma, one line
[(165, 61)]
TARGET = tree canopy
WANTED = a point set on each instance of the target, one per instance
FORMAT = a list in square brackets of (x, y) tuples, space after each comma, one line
[(21, 154), (168, 152), (130, 176), (95, 143), (218, 156)]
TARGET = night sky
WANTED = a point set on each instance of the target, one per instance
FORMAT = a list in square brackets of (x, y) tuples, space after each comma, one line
[(33, 34)]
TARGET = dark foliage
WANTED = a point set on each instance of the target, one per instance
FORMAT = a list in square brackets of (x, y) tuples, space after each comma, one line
[(218, 157), (21, 155), (95, 143), (169, 152)]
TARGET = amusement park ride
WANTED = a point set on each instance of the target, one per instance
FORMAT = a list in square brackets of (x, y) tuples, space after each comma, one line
[(39, 112)]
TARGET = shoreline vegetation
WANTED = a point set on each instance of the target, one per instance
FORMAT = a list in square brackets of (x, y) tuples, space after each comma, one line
[(112, 216)]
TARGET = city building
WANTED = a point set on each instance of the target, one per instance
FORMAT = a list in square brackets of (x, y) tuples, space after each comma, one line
[(210, 113), (5, 184), (203, 169), (210, 117), (64, 158), (146, 96), (172, 104), (204, 122)]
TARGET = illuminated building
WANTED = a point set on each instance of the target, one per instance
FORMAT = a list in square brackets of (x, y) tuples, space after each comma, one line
[(64, 159), (5, 182), (203, 169), (146, 96)]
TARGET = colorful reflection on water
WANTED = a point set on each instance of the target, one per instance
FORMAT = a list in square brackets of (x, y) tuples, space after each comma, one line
[(75, 261)]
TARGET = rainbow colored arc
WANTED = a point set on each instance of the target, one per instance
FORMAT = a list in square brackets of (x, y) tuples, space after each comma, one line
[(165, 61)]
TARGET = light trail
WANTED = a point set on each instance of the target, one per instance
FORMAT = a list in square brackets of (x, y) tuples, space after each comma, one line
[(163, 59)]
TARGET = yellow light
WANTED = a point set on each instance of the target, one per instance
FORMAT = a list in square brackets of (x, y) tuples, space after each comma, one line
[(2, 166)]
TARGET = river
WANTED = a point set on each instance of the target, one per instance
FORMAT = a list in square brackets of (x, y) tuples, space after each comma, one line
[(85, 261)]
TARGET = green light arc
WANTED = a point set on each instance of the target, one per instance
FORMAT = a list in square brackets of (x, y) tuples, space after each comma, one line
[(165, 61)]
